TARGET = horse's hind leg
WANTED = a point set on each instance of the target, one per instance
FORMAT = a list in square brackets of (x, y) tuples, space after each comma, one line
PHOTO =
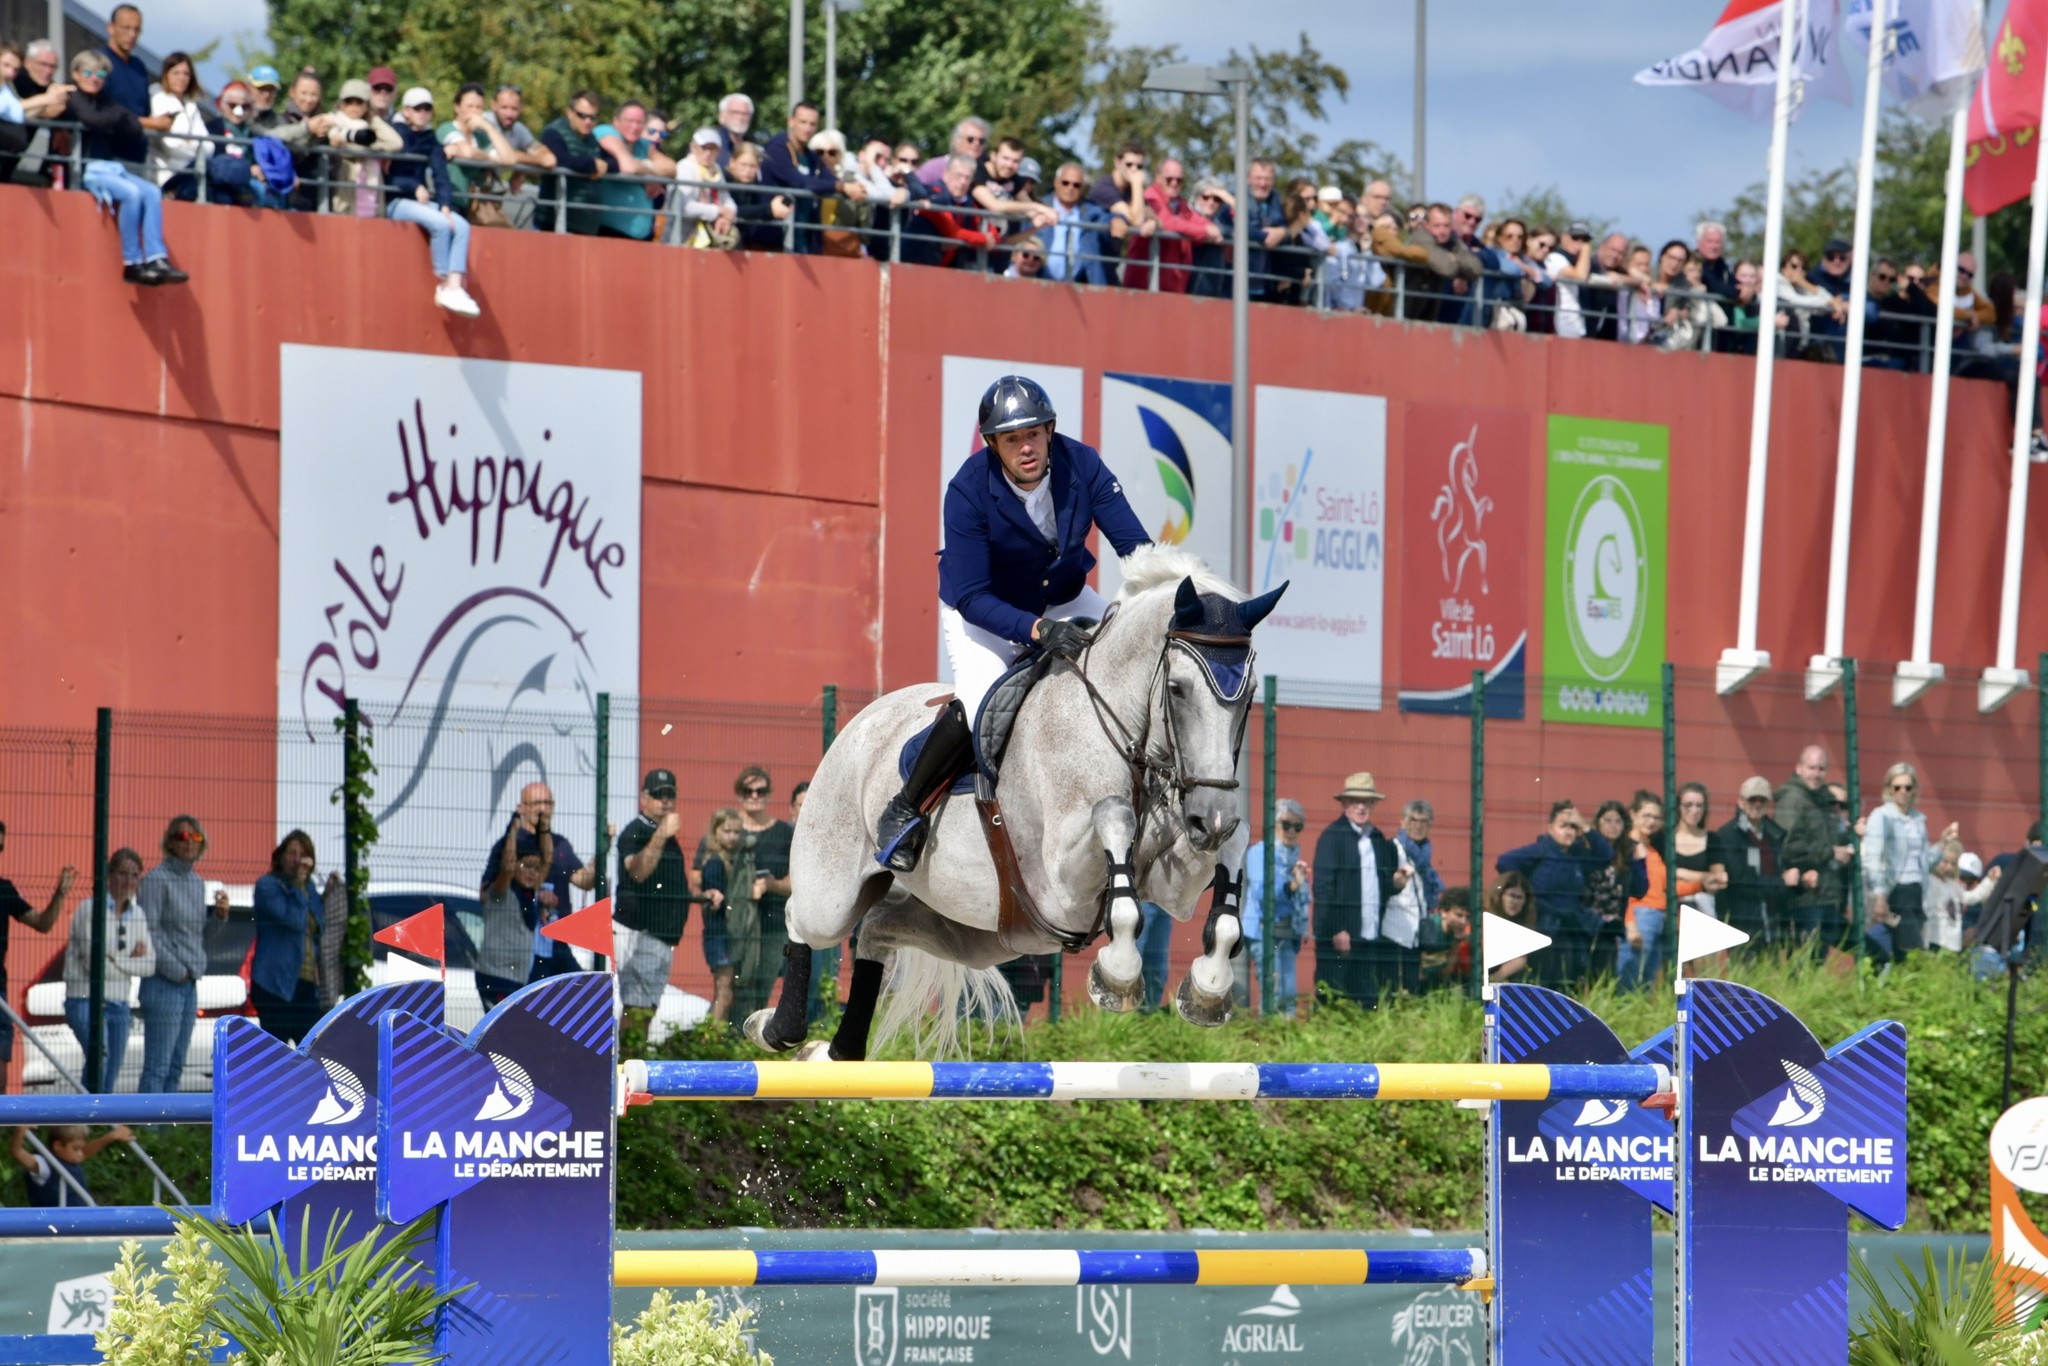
[(1204, 996), (784, 1027), (902, 923), (1116, 980)]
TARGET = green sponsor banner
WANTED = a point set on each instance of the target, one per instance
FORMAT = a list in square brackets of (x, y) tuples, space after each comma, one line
[(1606, 500)]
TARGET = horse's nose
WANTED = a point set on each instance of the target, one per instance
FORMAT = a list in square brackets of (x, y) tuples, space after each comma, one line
[(1207, 832)]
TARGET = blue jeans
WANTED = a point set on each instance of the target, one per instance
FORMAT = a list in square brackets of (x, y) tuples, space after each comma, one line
[(168, 1010), (1155, 939), (447, 233), (138, 205), (1637, 968), (78, 1014)]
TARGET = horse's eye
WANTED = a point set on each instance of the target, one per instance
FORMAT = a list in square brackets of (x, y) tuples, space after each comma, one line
[(1176, 687)]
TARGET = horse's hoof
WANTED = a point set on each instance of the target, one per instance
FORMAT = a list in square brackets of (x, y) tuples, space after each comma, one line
[(756, 1030), (1197, 1009), (1113, 996), (817, 1050)]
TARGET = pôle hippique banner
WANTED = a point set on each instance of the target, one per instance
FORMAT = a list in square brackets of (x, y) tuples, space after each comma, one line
[(1319, 490), (457, 540), (1604, 571), (1464, 566)]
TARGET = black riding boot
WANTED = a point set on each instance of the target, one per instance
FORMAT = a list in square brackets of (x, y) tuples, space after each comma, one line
[(900, 834)]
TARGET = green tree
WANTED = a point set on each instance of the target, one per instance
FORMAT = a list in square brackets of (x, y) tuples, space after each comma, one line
[(1287, 87), (906, 69), (1905, 205), (1544, 207)]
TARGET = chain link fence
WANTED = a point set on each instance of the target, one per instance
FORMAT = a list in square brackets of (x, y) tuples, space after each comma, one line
[(447, 782)]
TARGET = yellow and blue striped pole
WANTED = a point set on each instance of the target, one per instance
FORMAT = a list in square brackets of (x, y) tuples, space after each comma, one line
[(643, 1080), (1023, 1266)]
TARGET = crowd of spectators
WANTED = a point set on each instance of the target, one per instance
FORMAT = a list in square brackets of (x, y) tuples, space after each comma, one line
[(623, 168), (1794, 868)]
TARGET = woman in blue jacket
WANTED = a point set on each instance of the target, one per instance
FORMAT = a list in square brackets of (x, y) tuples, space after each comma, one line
[(1013, 570), (284, 980), (420, 193)]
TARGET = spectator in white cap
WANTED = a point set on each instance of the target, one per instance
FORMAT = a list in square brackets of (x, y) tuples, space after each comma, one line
[(418, 191), (702, 212)]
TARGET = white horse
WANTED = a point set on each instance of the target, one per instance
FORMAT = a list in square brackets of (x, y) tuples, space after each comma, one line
[(1119, 783)]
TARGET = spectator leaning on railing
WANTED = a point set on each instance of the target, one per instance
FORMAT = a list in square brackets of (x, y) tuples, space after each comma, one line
[(114, 139), (1079, 237), (173, 152), (419, 192), (573, 142), (242, 167), (788, 162), (970, 139), (735, 122), (1351, 272), (1176, 216), (758, 211), (1213, 256), (1120, 193), (16, 111), (1265, 224), (471, 136), (354, 125), (701, 212), (629, 211)]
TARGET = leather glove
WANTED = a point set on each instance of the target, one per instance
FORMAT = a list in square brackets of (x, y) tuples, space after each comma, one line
[(1062, 639)]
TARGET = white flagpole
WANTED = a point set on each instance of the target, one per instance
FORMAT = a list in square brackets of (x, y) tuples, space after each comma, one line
[(2003, 679), (1918, 674), (1824, 671), (1743, 661)]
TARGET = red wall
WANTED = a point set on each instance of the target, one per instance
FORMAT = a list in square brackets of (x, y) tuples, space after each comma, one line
[(791, 452)]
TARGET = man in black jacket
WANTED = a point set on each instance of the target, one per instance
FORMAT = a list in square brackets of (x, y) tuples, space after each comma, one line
[(789, 163), (1350, 898)]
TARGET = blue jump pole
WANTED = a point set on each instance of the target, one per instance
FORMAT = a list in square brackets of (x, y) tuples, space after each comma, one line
[(89, 1221), (178, 1108)]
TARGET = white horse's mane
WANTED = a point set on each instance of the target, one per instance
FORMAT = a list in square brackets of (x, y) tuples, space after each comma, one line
[(1159, 565)]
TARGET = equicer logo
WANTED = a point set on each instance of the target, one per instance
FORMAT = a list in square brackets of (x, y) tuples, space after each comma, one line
[(344, 1098), (512, 1096), (1804, 1101), (1598, 1114)]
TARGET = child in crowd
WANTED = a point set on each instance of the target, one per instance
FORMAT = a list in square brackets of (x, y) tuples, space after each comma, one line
[(71, 1146), (1955, 887)]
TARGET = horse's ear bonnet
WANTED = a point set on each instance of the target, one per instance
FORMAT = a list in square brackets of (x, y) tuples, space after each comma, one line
[(1223, 629)]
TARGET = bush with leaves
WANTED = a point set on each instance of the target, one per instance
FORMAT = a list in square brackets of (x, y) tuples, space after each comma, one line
[(1942, 1316), (144, 1329), (673, 1332)]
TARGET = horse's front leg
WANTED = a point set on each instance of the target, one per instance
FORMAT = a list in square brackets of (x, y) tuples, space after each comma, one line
[(1116, 980), (1204, 997)]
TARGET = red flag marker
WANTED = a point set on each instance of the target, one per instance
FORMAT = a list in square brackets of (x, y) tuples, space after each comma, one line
[(420, 934), (589, 928)]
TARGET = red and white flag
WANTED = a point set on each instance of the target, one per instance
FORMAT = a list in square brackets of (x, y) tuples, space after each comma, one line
[(2005, 113), (1737, 63)]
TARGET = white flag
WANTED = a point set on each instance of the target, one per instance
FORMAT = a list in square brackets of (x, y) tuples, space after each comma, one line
[(1937, 51), (1737, 64)]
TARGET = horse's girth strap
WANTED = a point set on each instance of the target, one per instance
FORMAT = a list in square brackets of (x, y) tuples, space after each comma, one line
[(1020, 926)]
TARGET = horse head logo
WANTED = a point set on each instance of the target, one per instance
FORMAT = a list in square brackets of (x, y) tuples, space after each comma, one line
[(1458, 513)]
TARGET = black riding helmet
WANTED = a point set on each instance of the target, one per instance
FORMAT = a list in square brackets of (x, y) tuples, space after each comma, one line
[(1013, 403)]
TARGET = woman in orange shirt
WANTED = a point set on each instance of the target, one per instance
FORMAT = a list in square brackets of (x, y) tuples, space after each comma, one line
[(1642, 952)]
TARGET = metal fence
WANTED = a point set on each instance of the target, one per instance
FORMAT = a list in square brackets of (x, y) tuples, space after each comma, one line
[(446, 784), (1503, 294)]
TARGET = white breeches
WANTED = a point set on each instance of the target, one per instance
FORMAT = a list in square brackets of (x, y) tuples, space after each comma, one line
[(980, 657)]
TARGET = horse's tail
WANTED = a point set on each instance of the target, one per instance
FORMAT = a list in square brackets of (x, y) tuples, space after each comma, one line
[(930, 999)]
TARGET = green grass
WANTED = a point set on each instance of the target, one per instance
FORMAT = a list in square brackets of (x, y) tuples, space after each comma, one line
[(1249, 1165)]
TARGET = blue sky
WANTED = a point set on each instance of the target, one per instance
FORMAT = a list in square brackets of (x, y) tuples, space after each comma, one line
[(1520, 96)]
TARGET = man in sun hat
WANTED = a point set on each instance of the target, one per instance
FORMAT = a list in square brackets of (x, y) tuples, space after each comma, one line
[(1357, 872)]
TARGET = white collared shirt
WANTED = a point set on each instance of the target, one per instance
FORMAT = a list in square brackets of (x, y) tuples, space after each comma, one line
[(1368, 885), (1038, 505)]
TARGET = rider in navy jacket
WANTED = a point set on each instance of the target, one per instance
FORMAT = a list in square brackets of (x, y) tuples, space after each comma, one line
[(998, 570), (1013, 572)]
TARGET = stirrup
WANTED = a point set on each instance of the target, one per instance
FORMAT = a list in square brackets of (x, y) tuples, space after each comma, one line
[(900, 852)]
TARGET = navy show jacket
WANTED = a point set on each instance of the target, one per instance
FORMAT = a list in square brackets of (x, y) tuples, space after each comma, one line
[(997, 569)]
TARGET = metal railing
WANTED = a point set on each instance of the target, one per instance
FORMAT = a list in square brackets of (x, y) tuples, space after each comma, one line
[(1296, 274)]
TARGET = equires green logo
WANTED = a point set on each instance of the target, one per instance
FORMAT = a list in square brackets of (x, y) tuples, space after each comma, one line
[(1606, 578)]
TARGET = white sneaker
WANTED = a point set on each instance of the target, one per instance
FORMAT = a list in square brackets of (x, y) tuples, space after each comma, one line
[(456, 299), (2037, 450)]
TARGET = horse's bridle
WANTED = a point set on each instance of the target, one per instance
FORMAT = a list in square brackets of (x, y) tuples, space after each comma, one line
[(1147, 763)]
